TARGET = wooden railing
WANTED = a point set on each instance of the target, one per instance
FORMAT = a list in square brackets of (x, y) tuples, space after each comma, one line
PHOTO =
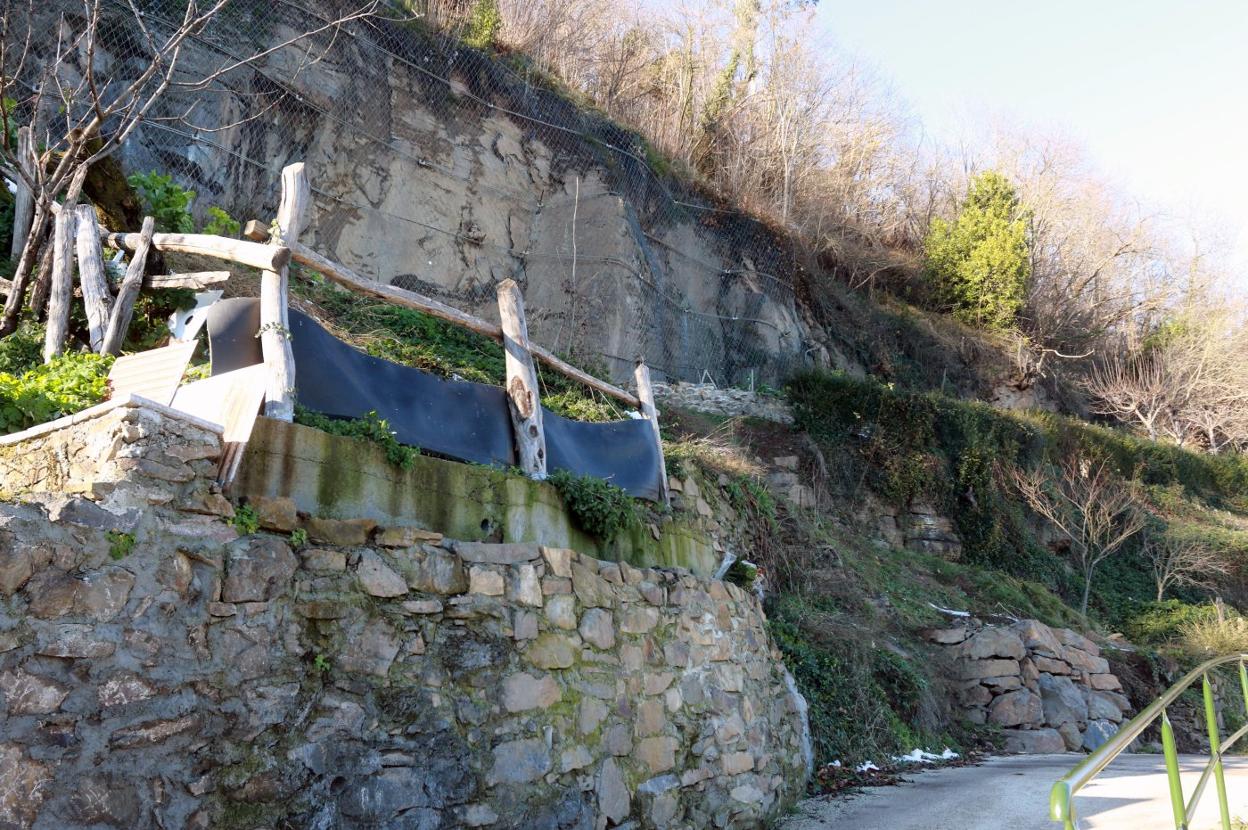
[(273, 253)]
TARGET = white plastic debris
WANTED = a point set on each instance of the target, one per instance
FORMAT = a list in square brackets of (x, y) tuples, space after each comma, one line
[(920, 756), (950, 611)]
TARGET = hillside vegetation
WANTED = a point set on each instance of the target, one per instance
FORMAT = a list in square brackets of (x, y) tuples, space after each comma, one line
[(943, 276)]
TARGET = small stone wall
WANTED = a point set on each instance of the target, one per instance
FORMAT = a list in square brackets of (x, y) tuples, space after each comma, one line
[(734, 403), (125, 454), (156, 669), (1049, 689)]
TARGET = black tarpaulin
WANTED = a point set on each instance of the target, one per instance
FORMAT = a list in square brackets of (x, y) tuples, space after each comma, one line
[(458, 419)]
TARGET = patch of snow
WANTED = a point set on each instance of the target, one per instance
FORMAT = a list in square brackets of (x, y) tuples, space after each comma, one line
[(868, 767), (950, 611)]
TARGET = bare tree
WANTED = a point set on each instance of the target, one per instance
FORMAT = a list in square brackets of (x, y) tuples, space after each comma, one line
[(55, 78), (1135, 391), (1087, 503), (1182, 562)]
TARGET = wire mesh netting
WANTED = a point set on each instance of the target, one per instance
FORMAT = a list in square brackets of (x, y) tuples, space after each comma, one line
[(441, 169)]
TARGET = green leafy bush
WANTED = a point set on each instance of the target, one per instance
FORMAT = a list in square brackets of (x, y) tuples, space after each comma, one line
[(483, 24), (167, 202), (71, 382), (369, 428), (598, 507), (980, 263), (23, 349), (221, 223)]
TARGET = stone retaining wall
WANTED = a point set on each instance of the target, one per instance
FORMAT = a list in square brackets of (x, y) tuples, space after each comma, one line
[(156, 669), (1049, 689)]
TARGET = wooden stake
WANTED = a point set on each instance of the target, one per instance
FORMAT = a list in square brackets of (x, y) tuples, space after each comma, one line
[(522, 394), (96, 297), (62, 285), (43, 283), (264, 257), (646, 393), (24, 198), (198, 280), (274, 299), (123, 310)]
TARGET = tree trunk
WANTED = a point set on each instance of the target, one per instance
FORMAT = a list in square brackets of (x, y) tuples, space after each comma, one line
[(96, 298), (123, 310), (62, 285)]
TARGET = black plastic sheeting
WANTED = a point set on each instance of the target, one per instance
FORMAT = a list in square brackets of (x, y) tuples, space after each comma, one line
[(454, 418)]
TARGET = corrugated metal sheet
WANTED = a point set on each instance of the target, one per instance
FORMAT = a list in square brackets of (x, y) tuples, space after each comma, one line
[(154, 374)]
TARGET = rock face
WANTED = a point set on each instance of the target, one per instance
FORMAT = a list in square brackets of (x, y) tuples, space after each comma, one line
[(1049, 689), (438, 171), (209, 681)]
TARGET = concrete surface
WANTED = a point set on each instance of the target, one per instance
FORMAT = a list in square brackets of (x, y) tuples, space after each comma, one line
[(1012, 793)]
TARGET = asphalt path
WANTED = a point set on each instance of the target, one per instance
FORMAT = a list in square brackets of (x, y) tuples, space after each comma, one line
[(1012, 793)]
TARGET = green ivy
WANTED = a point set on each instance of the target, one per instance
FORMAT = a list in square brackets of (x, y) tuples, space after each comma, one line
[(864, 701), (369, 428), (597, 506), (71, 382), (167, 202)]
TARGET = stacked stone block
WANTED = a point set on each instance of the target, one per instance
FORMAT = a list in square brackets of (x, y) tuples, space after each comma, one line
[(1050, 690)]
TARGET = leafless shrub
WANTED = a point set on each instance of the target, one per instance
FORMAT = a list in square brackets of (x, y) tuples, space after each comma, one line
[(1087, 503)]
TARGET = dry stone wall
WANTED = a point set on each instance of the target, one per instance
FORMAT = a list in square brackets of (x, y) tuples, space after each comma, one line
[(195, 678), (1049, 689)]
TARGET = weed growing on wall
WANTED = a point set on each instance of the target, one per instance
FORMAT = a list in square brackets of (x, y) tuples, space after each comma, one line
[(369, 428), (120, 544), (246, 520), (598, 507)]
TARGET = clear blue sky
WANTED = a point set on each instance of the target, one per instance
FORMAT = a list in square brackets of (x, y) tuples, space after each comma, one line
[(1156, 90)]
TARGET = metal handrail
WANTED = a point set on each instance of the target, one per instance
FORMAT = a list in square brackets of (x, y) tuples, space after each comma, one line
[(1061, 807)]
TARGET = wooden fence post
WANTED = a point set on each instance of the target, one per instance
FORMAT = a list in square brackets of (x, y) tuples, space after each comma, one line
[(522, 395), (96, 298), (62, 290), (645, 393), (123, 309), (274, 299), (24, 198)]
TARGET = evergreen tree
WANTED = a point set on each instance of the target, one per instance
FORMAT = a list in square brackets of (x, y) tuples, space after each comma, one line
[(980, 262)]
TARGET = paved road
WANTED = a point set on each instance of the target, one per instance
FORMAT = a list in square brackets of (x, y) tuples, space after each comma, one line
[(1012, 793)]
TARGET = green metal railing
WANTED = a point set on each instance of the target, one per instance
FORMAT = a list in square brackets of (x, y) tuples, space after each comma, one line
[(1061, 807)]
